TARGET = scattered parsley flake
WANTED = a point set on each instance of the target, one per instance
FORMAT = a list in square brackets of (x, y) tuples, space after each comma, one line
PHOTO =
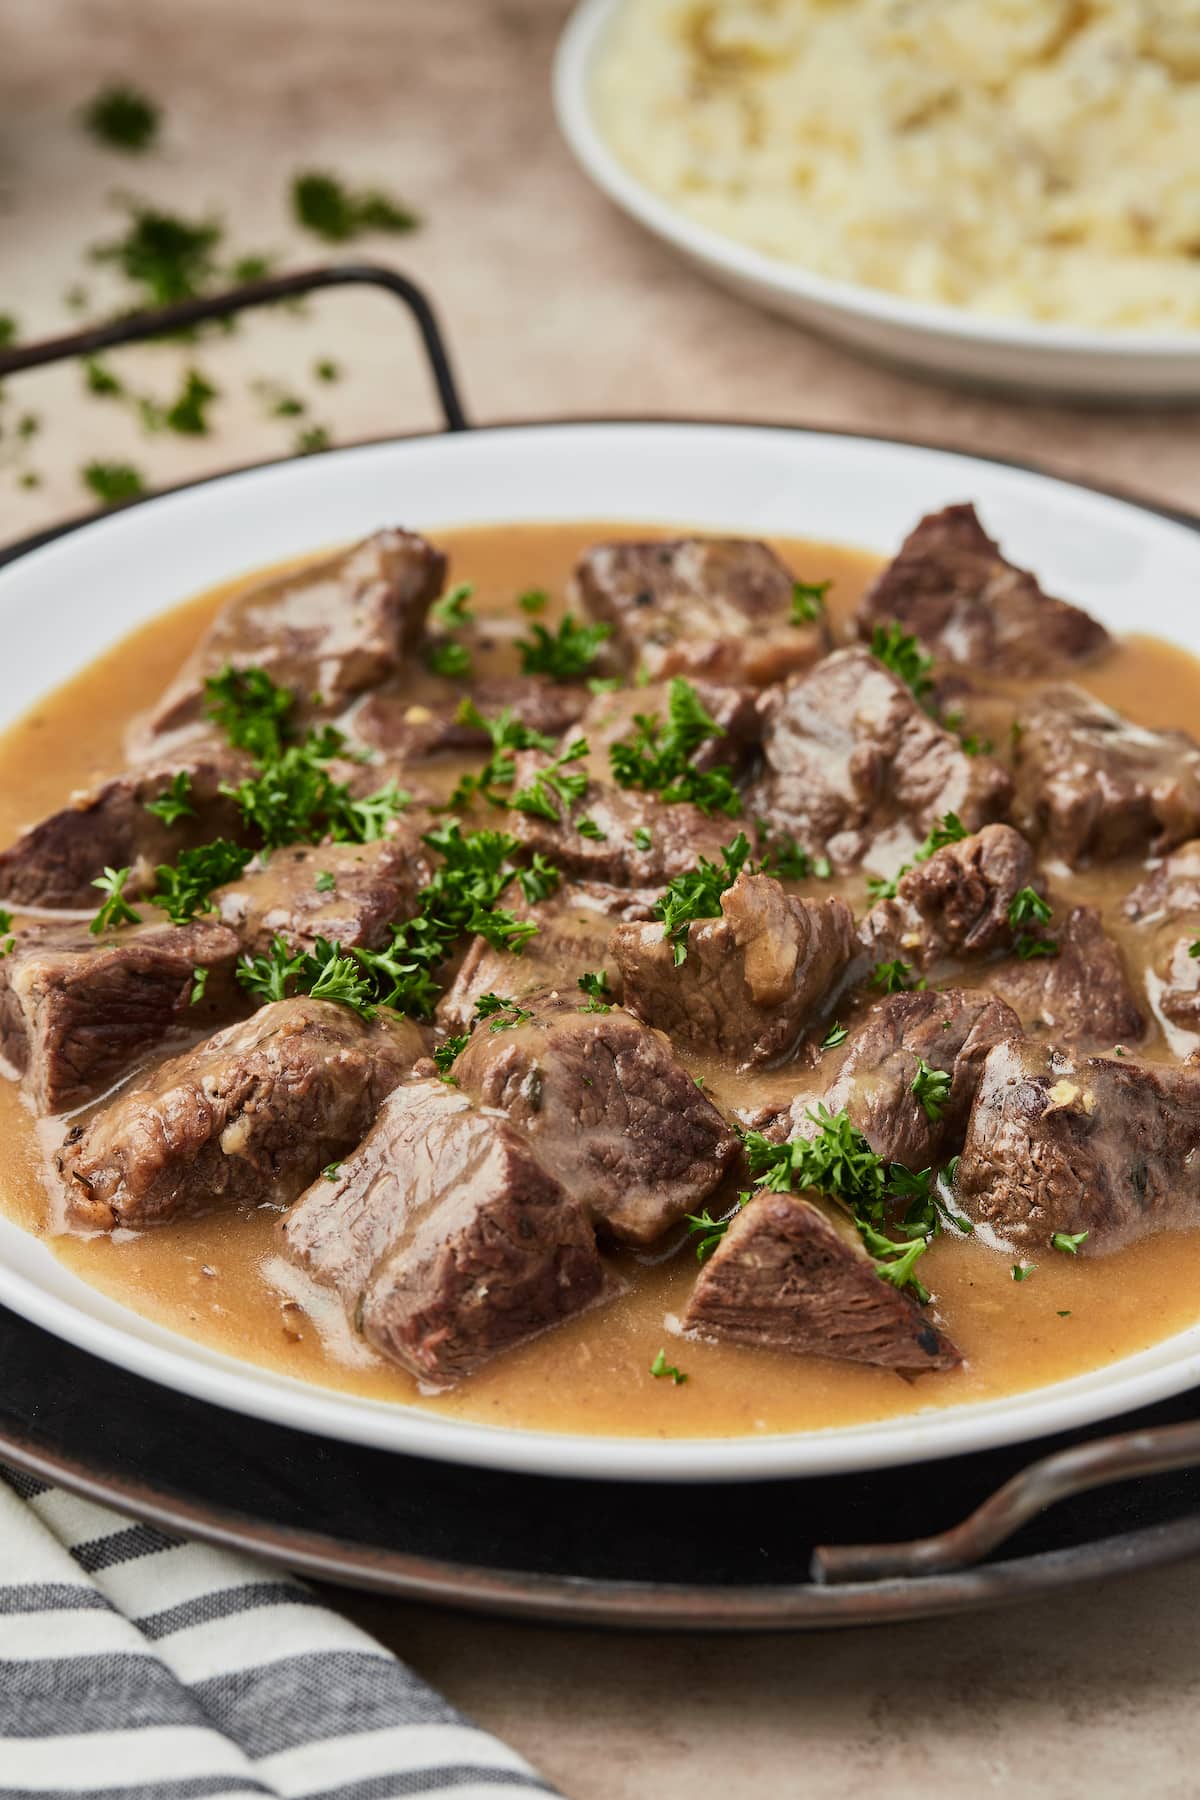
[(708, 1231), (837, 1034), (892, 977), (123, 118), (116, 910), (326, 882), (1068, 1242), (113, 482), (327, 370), (540, 879), (808, 601), (167, 257), (931, 1088), (449, 659), (595, 985), (563, 655), (557, 788), (331, 1171), (588, 828), (1027, 907), (452, 612), (199, 983), (900, 652), (448, 1053), (660, 1367), (174, 803), (310, 441), (184, 888), (99, 379), (327, 207), (642, 839), (503, 1014), (696, 894), (1022, 1271), (535, 600), (188, 413)]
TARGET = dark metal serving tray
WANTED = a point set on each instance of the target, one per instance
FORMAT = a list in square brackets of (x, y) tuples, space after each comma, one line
[(934, 1538)]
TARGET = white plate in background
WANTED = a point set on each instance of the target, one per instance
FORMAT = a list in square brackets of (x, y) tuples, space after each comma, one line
[(943, 341)]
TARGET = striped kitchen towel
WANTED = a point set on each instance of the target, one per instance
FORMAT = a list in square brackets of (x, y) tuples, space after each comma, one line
[(134, 1666)]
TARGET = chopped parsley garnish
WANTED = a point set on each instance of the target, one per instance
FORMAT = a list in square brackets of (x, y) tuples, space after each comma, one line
[(603, 684), (188, 413), (892, 977), (1024, 907), (502, 1013), (563, 655), (168, 258), (508, 735), (251, 709), (540, 879), (9, 330), (326, 206), (588, 828), (293, 798), (7, 940), (837, 1034), (594, 983), (184, 888), (312, 440), (113, 482), (174, 803), (535, 600), (642, 839), (839, 1161), (697, 893), (324, 973), (331, 1171), (1069, 1242), (555, 789), (116, 910), (787, 861), (199, 984), (708, 1231), (658, 758), (932, 1089), (449, 659), (1194, 948), (447, 1054), (808, 601), (327, 370), (900, 652), (1022, 1271), (99, 379), (948, 830), (326, 882), (123, 118), (660, 1367), (451, 612)]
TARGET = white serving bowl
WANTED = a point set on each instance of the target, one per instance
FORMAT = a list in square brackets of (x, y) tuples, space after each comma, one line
[(944, 341)]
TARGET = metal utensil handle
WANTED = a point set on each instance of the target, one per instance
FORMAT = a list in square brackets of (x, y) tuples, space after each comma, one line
[(1053, 1478), (137, 327)]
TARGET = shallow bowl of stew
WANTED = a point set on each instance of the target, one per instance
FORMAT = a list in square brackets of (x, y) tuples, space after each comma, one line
[(100, 621)]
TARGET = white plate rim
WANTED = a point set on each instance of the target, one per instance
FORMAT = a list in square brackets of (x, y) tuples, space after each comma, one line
[(127, 1339), (573, 61)]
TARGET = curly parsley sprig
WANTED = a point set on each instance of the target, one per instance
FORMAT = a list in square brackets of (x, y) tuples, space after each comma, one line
[(659, 758)]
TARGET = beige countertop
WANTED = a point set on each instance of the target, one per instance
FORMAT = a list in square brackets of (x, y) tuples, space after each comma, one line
[(556, 305)]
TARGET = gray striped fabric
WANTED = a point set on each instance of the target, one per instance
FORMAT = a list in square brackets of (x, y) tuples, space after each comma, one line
[(134, 1666)]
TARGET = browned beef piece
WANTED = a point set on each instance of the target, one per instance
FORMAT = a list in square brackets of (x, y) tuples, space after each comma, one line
[(718, 607), (956, 904), (951, 588), (411, 726), (326, 631), (249, 1117), (1091, 786), (1059, 1142), (374, 885), (1083, 995), (55, 862), (445, 1237), (611, 717), (754, 981), (575, 926), (608, 1109), (789, 1276), (77, 1011), (679, 833), (1166, 907), (951, 1031), (856, 769)]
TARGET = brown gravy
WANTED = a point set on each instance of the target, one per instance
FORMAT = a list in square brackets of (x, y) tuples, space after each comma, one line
[(213, 1279)]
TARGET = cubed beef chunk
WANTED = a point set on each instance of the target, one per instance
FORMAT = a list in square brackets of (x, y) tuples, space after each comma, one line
[(788, 1275), (956, 905), (1166, 909), (1066, 1143), (76, 1012), (856, 770), (608, 1109), (950, 587), (55, 863), (611, 717), (411, 725), (904, 1118), (574, 929), (1092, 786), (719, 607), (347, 893), (605, 850), (327, 631), (445, 1237), (1083, 995), (249, 1117), (754, 981)]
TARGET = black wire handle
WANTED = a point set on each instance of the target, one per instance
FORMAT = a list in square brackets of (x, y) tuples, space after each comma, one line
[(137, 327)]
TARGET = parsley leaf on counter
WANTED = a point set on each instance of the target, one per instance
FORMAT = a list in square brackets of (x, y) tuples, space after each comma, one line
[(168, 258), (113, 482), (123, 118), (697, 893), (188, 414), (116, 910), (658, 758), (174, 802), (326, 206), (564, 655)]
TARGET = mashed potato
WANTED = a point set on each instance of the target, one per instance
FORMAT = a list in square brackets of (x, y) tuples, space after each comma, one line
[(1038, 159)]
